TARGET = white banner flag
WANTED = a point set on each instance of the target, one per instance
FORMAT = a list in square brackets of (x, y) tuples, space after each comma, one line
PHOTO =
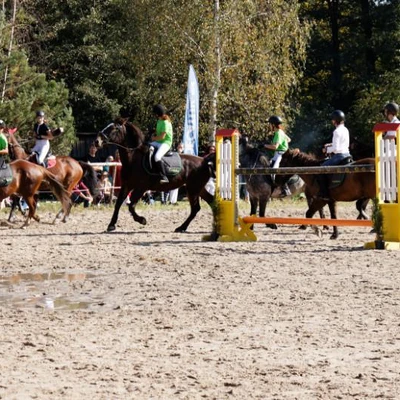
[(191, 127)]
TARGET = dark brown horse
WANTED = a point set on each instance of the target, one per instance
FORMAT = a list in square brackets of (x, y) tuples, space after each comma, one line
[(27, 179), (195, 172), (358, 186), (260, 187), (66, 170)]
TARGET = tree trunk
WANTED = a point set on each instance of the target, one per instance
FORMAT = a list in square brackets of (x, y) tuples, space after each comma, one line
[(366, 23), (217, 76), (333, 6), (10, 46)]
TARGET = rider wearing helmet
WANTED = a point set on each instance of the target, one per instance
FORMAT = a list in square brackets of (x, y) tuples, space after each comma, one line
[(390, 111), (338, 150), (279, 145), (162, 139), (43, 136), (3, 140)]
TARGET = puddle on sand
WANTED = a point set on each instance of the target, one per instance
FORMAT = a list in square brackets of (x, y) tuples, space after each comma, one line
[(50, 291)]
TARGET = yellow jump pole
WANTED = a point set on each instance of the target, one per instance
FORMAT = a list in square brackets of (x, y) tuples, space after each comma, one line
[(227, 189), (387, 176)]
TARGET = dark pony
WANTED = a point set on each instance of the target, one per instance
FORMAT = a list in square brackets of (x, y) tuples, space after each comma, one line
[(27, 179), (359, 187), (66, 170), (130, 140), (260, 187)]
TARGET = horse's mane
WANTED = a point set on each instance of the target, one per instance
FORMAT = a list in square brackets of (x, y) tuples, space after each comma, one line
[(134, 136), (302, 159), (252, 157)]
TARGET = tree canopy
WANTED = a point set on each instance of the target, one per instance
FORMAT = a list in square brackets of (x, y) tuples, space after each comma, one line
[(87, 62)]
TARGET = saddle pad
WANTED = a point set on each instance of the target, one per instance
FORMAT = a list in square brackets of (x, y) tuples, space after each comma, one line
[(6, 175), (172, 162), (336, 180)]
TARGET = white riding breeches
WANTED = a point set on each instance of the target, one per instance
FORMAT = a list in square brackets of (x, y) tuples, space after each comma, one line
[(162, 150), (41, 147)]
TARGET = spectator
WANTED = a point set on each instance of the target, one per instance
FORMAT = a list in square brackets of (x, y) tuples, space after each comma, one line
[(104, 189), (81, 194), (93, 157), (115, 172)]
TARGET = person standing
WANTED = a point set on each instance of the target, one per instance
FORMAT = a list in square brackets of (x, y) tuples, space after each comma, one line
[(279, 145), (162, 139), (390, 111), (338, 150), (43, 135)]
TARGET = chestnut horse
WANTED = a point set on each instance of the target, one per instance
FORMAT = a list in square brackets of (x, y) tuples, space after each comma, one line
[(27, 179), (66, 170), (129, 138), (357, 186)]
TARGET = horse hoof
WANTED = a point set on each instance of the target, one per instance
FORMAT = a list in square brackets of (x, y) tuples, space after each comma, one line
[(111, 228), (334, 236), (180, 230), (142, 221), (303, 227)]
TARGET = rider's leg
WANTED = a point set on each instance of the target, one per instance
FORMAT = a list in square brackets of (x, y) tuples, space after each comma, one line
[(276, 162), (163, 149)]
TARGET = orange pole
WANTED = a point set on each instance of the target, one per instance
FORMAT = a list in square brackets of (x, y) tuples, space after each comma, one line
[(307, 221)]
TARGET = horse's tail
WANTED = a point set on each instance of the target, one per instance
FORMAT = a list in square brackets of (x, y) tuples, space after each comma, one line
[(58, 190), (89, 178)]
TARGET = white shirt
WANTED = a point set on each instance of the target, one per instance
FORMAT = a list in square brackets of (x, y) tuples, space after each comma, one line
[(392, 134), (340, 140)]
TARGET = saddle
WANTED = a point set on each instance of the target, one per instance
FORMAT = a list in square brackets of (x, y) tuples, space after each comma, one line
[(6, 175), (171, 160), (49, 161), (337, 179)]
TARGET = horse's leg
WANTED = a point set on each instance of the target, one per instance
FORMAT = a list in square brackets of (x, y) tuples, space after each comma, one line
[(136, 195), (261, 212), (15, 203), (194, 209), (253, 206), (32, 211), (314, 206), (332, 210), (361, 205), (121, 197)]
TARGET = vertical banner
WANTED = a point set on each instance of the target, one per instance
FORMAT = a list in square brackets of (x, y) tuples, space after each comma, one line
[(191, 127)]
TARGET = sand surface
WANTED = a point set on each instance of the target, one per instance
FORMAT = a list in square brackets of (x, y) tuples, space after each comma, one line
[(145, 313)]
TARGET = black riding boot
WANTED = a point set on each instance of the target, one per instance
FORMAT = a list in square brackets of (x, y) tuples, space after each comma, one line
[(323, 187), (161, 169)]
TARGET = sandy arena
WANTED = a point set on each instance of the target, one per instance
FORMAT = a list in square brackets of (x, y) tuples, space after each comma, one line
[(145, 313)]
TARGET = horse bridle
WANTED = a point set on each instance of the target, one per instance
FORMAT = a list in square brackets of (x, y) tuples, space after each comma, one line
[(107, 140)]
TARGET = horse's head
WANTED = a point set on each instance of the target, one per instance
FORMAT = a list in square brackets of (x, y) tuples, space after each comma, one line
[(113, 133), (122, 133)]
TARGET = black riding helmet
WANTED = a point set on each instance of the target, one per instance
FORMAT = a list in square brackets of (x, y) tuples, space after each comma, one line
[(159, 110), (275, 120), (338, 116), (40, 113), (392, 108)]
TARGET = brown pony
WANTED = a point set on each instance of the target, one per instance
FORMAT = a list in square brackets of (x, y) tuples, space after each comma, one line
[(359, 186), (66, 170), (27, 179), (129, 138)]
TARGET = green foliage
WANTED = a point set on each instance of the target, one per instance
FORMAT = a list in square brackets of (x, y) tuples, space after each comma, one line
[(377, 218), (28, 91)]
